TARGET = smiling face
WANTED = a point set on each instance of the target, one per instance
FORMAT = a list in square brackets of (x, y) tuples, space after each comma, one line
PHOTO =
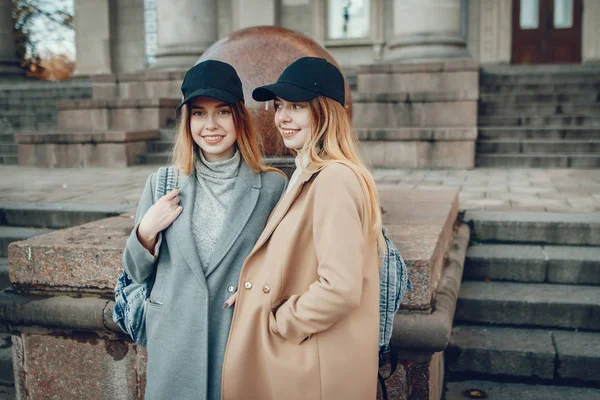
[(212, 128), (293, 122)]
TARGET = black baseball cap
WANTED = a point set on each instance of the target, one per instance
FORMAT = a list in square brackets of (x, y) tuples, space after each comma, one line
[(212, 78), (303, 80)]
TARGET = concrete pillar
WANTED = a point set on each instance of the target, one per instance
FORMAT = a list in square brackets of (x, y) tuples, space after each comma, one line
[(186, 28), (127, 36), (255, 13), (9, 64), (494, 30), (92, 37), (426, 29), (590, 48)]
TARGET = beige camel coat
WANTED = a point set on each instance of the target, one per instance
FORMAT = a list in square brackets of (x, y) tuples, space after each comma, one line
[(306, 320)]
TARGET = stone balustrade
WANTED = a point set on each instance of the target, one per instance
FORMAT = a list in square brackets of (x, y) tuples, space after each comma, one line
[(60, 306)]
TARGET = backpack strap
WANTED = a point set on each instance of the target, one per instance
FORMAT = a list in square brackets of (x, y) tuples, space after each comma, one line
[(166, 180)]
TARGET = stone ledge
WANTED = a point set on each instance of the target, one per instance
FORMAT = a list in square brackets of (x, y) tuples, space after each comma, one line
[(466, 64), (172, 75), (90, 104), (63, 137), (412, 331), (421, 224), (417, 134), (82, 259), (418, 97), (87, 258), (431, 332), (61, 312)]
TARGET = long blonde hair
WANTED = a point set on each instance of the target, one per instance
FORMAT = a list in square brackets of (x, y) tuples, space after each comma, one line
[(248, 143), (332, 140)]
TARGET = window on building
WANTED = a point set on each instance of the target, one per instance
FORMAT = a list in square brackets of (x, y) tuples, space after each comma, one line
[(529, 14), (348, 19), (563, 14)]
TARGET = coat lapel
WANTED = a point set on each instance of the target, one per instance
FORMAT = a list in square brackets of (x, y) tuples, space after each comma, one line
[(282, 208), (181, 229), (243, 201)]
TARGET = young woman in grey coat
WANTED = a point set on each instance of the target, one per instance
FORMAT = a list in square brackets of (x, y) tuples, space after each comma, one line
[(193, 241)]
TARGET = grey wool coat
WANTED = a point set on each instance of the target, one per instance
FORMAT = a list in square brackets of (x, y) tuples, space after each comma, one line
[(186, 324)]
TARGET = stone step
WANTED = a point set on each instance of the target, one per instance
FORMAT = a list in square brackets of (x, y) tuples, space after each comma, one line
[(529, 263), (576, 229), (154, 158), (6, 365), (458, 390), (167, 134), (539, 88), (28, 105), (501, 109), (505, 133), (529, 304), (129, 115), (537, 161), (550, 98), (56, 215), (560, 357), (9, 234), (532, 147), (4, 278), (160, 146), (563, 121), (486, 79), (9, 159), (7, 138), (20, 123), (8, 148)]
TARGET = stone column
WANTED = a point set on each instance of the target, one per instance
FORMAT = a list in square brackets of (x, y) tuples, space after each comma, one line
[(92, 37), (186, 28), (590, 48), (9, 64), (426, 29), (254, 13)]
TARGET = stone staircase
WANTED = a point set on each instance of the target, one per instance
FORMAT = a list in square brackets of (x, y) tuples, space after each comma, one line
[(158, 151), (31, 106), (539, 116), (528, 313)]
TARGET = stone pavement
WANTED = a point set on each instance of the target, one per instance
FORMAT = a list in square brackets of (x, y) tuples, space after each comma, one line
[(494, 189), (490, 189)]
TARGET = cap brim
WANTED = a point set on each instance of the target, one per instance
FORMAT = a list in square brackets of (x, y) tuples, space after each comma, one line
[(283, 90), (212, 93)]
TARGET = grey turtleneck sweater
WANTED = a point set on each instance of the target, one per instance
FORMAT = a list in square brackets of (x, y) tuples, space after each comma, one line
[(215, 183)]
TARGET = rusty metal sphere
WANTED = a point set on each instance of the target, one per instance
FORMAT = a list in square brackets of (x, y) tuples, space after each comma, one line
[(259, 55)]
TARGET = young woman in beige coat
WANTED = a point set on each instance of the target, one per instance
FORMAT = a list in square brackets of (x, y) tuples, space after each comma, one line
[(306, 318)]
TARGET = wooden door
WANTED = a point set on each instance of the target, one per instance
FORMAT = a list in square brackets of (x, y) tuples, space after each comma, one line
[(546, 31)]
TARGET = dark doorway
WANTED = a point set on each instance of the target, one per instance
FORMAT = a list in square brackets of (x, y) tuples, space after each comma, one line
[(546, 31)]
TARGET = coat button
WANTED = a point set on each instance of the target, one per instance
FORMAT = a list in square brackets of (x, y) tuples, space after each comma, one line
[(248, 285), (230, 289), (266, 289)]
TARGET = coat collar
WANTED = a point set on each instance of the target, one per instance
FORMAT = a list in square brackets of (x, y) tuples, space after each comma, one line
[(243, 201)]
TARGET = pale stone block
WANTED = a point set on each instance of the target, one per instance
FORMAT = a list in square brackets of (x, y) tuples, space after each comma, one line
[(419, 154), (590, 46), (419, 82), (399, 115), (495, 31)]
